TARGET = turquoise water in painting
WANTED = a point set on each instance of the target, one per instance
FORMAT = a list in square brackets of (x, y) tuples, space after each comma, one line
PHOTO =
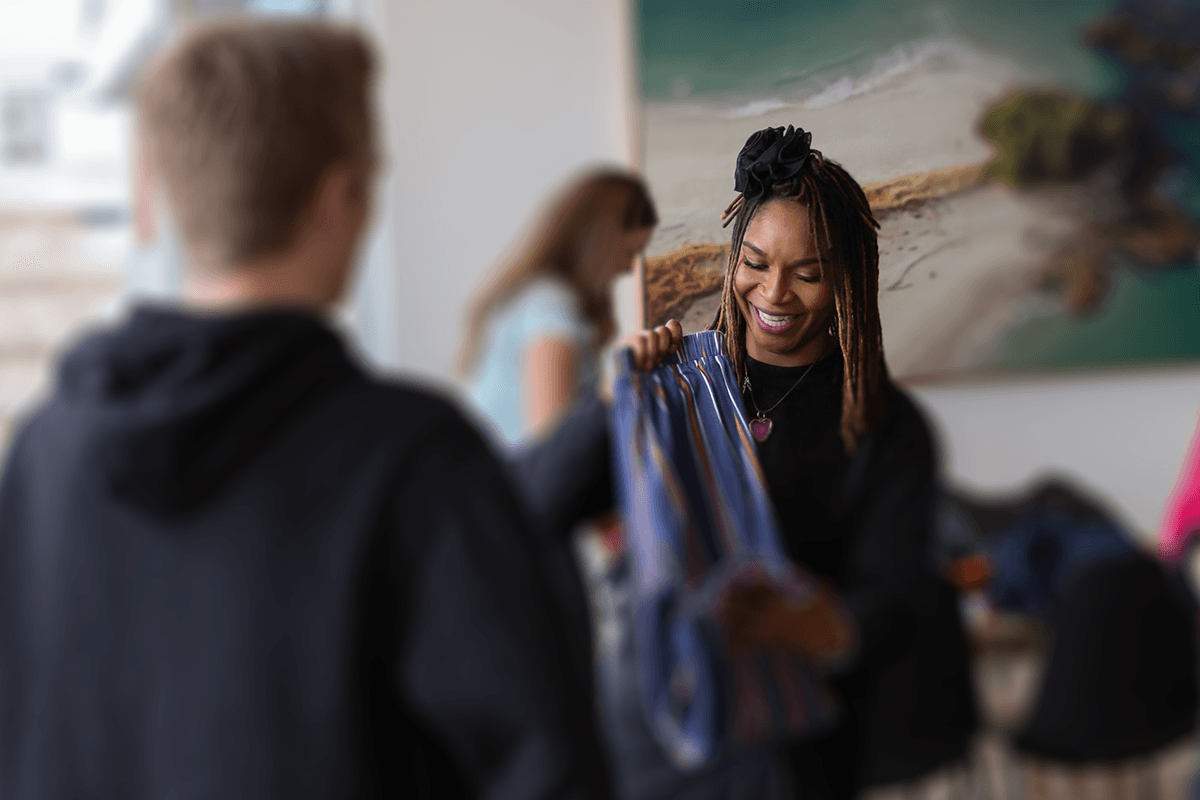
[(751, 54), (718, 47)]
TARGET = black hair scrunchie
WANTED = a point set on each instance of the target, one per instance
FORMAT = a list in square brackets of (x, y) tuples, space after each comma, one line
[(770, 156)]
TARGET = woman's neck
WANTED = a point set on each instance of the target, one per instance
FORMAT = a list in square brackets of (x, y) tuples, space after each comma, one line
[(824, 347)]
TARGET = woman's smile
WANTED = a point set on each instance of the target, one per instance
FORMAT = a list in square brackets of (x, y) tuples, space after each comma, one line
[(773, 323)]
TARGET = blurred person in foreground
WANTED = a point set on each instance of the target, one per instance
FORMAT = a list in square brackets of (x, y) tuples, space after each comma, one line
[(535, 332), (232, 564)]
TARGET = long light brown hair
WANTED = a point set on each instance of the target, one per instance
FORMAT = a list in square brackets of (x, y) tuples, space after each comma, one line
[(573, 239), (844, 229)]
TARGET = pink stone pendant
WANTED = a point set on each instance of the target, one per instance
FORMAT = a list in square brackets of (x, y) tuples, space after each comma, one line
[(761, 428)]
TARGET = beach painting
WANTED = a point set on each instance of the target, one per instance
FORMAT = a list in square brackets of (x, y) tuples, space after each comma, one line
[(1034, 166)]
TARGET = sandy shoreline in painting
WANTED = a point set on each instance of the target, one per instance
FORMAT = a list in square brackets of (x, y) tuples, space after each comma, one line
[(957, 254)]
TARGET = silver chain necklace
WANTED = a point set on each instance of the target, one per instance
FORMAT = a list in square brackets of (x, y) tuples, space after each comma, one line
[(761, 425)]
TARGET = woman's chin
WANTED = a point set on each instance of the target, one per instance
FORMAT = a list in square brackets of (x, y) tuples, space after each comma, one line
[(785, 350)]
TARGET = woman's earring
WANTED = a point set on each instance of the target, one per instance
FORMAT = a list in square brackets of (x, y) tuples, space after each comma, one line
[(833, 330)]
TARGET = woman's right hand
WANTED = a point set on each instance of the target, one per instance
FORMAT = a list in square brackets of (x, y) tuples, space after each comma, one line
[(649, 348), (653, 345)]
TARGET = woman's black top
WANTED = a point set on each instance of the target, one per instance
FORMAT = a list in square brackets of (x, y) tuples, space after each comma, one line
[(863, 521)]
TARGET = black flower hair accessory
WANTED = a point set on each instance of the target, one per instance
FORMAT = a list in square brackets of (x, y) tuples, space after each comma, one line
[(770, 156)]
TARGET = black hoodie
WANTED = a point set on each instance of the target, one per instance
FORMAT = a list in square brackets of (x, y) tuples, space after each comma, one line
[(232, 565)]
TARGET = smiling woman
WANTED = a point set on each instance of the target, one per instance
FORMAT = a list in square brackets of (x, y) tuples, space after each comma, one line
[(850, 467), (803, 274)]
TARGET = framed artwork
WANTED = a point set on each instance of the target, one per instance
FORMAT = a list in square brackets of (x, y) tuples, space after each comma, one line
[(1034, 167)]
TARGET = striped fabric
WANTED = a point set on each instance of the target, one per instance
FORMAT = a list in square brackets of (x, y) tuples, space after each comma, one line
[(698, 520)]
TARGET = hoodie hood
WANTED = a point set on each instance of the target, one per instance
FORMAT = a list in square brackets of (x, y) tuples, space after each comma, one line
[(178, 402)]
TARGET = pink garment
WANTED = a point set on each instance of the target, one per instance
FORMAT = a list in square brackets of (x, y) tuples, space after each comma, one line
[(1181, 519)]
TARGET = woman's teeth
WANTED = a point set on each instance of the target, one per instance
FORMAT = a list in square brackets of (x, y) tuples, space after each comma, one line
[(774, 321)]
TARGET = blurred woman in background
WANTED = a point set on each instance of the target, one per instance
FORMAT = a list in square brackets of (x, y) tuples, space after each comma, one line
[(535, 332), (533, 339)]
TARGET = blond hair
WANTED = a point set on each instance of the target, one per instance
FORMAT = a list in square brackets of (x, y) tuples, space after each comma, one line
[(243, 119), (576, 234)]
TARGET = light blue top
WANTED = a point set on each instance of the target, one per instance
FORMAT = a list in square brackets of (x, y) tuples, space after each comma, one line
[(547, 308)]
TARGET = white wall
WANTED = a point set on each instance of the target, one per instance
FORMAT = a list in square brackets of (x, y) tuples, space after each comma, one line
[(490, 106), (1119, 434)]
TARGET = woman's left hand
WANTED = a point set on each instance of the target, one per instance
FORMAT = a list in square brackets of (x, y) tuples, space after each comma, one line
[(759, 618)]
